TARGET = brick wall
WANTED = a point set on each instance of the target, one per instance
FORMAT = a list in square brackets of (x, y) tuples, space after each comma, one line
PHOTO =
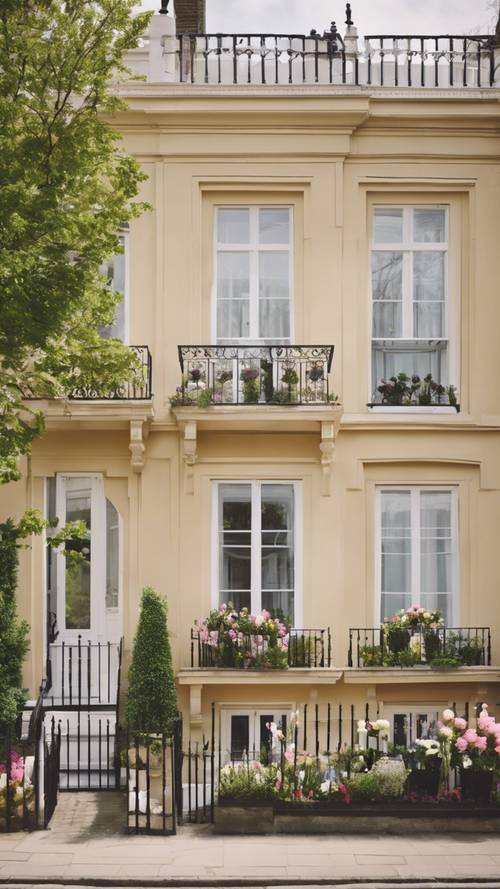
[(190, 16)]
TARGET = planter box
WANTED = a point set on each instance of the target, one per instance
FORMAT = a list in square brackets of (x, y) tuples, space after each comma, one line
[(415, 408), (234, 816)]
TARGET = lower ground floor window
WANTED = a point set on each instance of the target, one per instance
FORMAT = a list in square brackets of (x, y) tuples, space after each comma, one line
[(411, 722), (247, 733)]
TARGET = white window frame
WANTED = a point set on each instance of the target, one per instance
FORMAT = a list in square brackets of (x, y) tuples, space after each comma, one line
[(434, 709), (256, 560), (415, 491), (254, 714), (124, 238), (253, 247), (97, 561), (408, 247)]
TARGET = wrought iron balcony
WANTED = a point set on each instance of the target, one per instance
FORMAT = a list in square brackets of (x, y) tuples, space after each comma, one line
[(256, 375), (139, 388), (388, 60), (302, 648), (418, 646)]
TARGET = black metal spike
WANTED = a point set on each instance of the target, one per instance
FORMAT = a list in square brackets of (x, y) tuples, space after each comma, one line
[(348, 15), (164, 7)]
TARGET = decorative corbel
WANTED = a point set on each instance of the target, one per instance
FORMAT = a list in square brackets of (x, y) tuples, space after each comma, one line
[(327, 445), (136, 446), (190, 454)]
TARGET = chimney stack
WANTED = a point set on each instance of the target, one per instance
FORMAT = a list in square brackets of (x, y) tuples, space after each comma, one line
[(190, 16)]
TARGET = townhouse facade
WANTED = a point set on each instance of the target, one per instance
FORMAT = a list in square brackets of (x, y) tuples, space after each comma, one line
[(324, 218)]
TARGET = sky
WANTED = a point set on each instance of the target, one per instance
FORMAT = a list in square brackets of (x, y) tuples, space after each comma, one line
[(370, 16)]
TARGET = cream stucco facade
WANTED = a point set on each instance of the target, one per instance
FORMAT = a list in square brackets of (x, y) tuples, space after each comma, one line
[(331, 153)]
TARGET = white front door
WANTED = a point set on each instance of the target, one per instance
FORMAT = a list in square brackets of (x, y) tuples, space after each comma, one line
[(81, 585), (247, 733)]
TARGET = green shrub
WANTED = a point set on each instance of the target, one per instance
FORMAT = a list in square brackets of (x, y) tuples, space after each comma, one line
[(386, 779), (14, 643), (363, 787), (151, 701)]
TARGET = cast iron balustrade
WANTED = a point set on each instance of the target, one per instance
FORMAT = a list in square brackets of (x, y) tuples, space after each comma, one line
[(413, 646), (83, 675), (306, 648), (259, 374), (393, 60), (137, 389)]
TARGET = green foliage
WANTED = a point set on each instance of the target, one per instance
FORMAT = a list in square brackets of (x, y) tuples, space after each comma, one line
[(151, 702), (14, 643), (386, 779), (13, 632), (67, 187), (363, 787)]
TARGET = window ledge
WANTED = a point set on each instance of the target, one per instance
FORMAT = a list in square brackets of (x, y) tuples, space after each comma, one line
[(414, 408), (419, 675)]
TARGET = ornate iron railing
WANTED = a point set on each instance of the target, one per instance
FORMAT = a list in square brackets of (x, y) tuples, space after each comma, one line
[(305, 648), (396, 60), (413, 646), (139, 388), (237, 374)]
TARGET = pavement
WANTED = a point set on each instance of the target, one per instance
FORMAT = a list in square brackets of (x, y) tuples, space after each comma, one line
[(87, 845)]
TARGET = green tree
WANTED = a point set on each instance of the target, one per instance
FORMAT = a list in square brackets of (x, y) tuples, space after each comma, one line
[(151, 701), (67, 187), (14, 632)]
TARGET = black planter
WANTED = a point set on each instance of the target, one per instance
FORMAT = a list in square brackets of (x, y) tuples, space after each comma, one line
[(398, 639), (476, 786), (432, 644), (424, 782)]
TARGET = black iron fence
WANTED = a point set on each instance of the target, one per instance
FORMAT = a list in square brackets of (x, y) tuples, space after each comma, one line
[(236, 374), (138, 388), (384, 60), (51, 766), (88, 752), (394, 646), (83, 674), (300, 648)]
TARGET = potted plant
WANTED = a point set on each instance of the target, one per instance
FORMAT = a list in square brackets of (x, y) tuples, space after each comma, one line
[(224, 378), (249, 376), (290, 378), (424, 779), (476, 752)]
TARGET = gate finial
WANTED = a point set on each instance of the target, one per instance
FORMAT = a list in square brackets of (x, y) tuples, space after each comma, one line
[(348, 15)]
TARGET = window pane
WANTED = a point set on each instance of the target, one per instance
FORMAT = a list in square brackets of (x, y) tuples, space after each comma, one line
[(274, 319), (436, 542), (390, 603), (388, 362), (387, 320), (277, 571), (235, 522), (233, 321), (428, 320), (235, 507), (233, 275), (273, 274), (429, 225), (112, 555), (396, 542), (387, 275), (274, 225), (233, 225), (240, 736), (388, 225), (114, 270), (428, 275), (77, 574)]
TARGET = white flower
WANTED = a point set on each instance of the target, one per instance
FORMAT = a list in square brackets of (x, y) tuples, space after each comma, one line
[(446, 732), (448, 715), (325, 787), (466, 762), (361, 725), (259, 620)]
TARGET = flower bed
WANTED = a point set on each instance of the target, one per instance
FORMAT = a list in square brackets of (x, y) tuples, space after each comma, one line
[(17, 798), (418, 636), (242, 640), (405, 391)]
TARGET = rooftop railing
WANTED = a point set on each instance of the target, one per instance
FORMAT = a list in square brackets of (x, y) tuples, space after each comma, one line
[(414, 646), (386, 60), (259, 374)]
